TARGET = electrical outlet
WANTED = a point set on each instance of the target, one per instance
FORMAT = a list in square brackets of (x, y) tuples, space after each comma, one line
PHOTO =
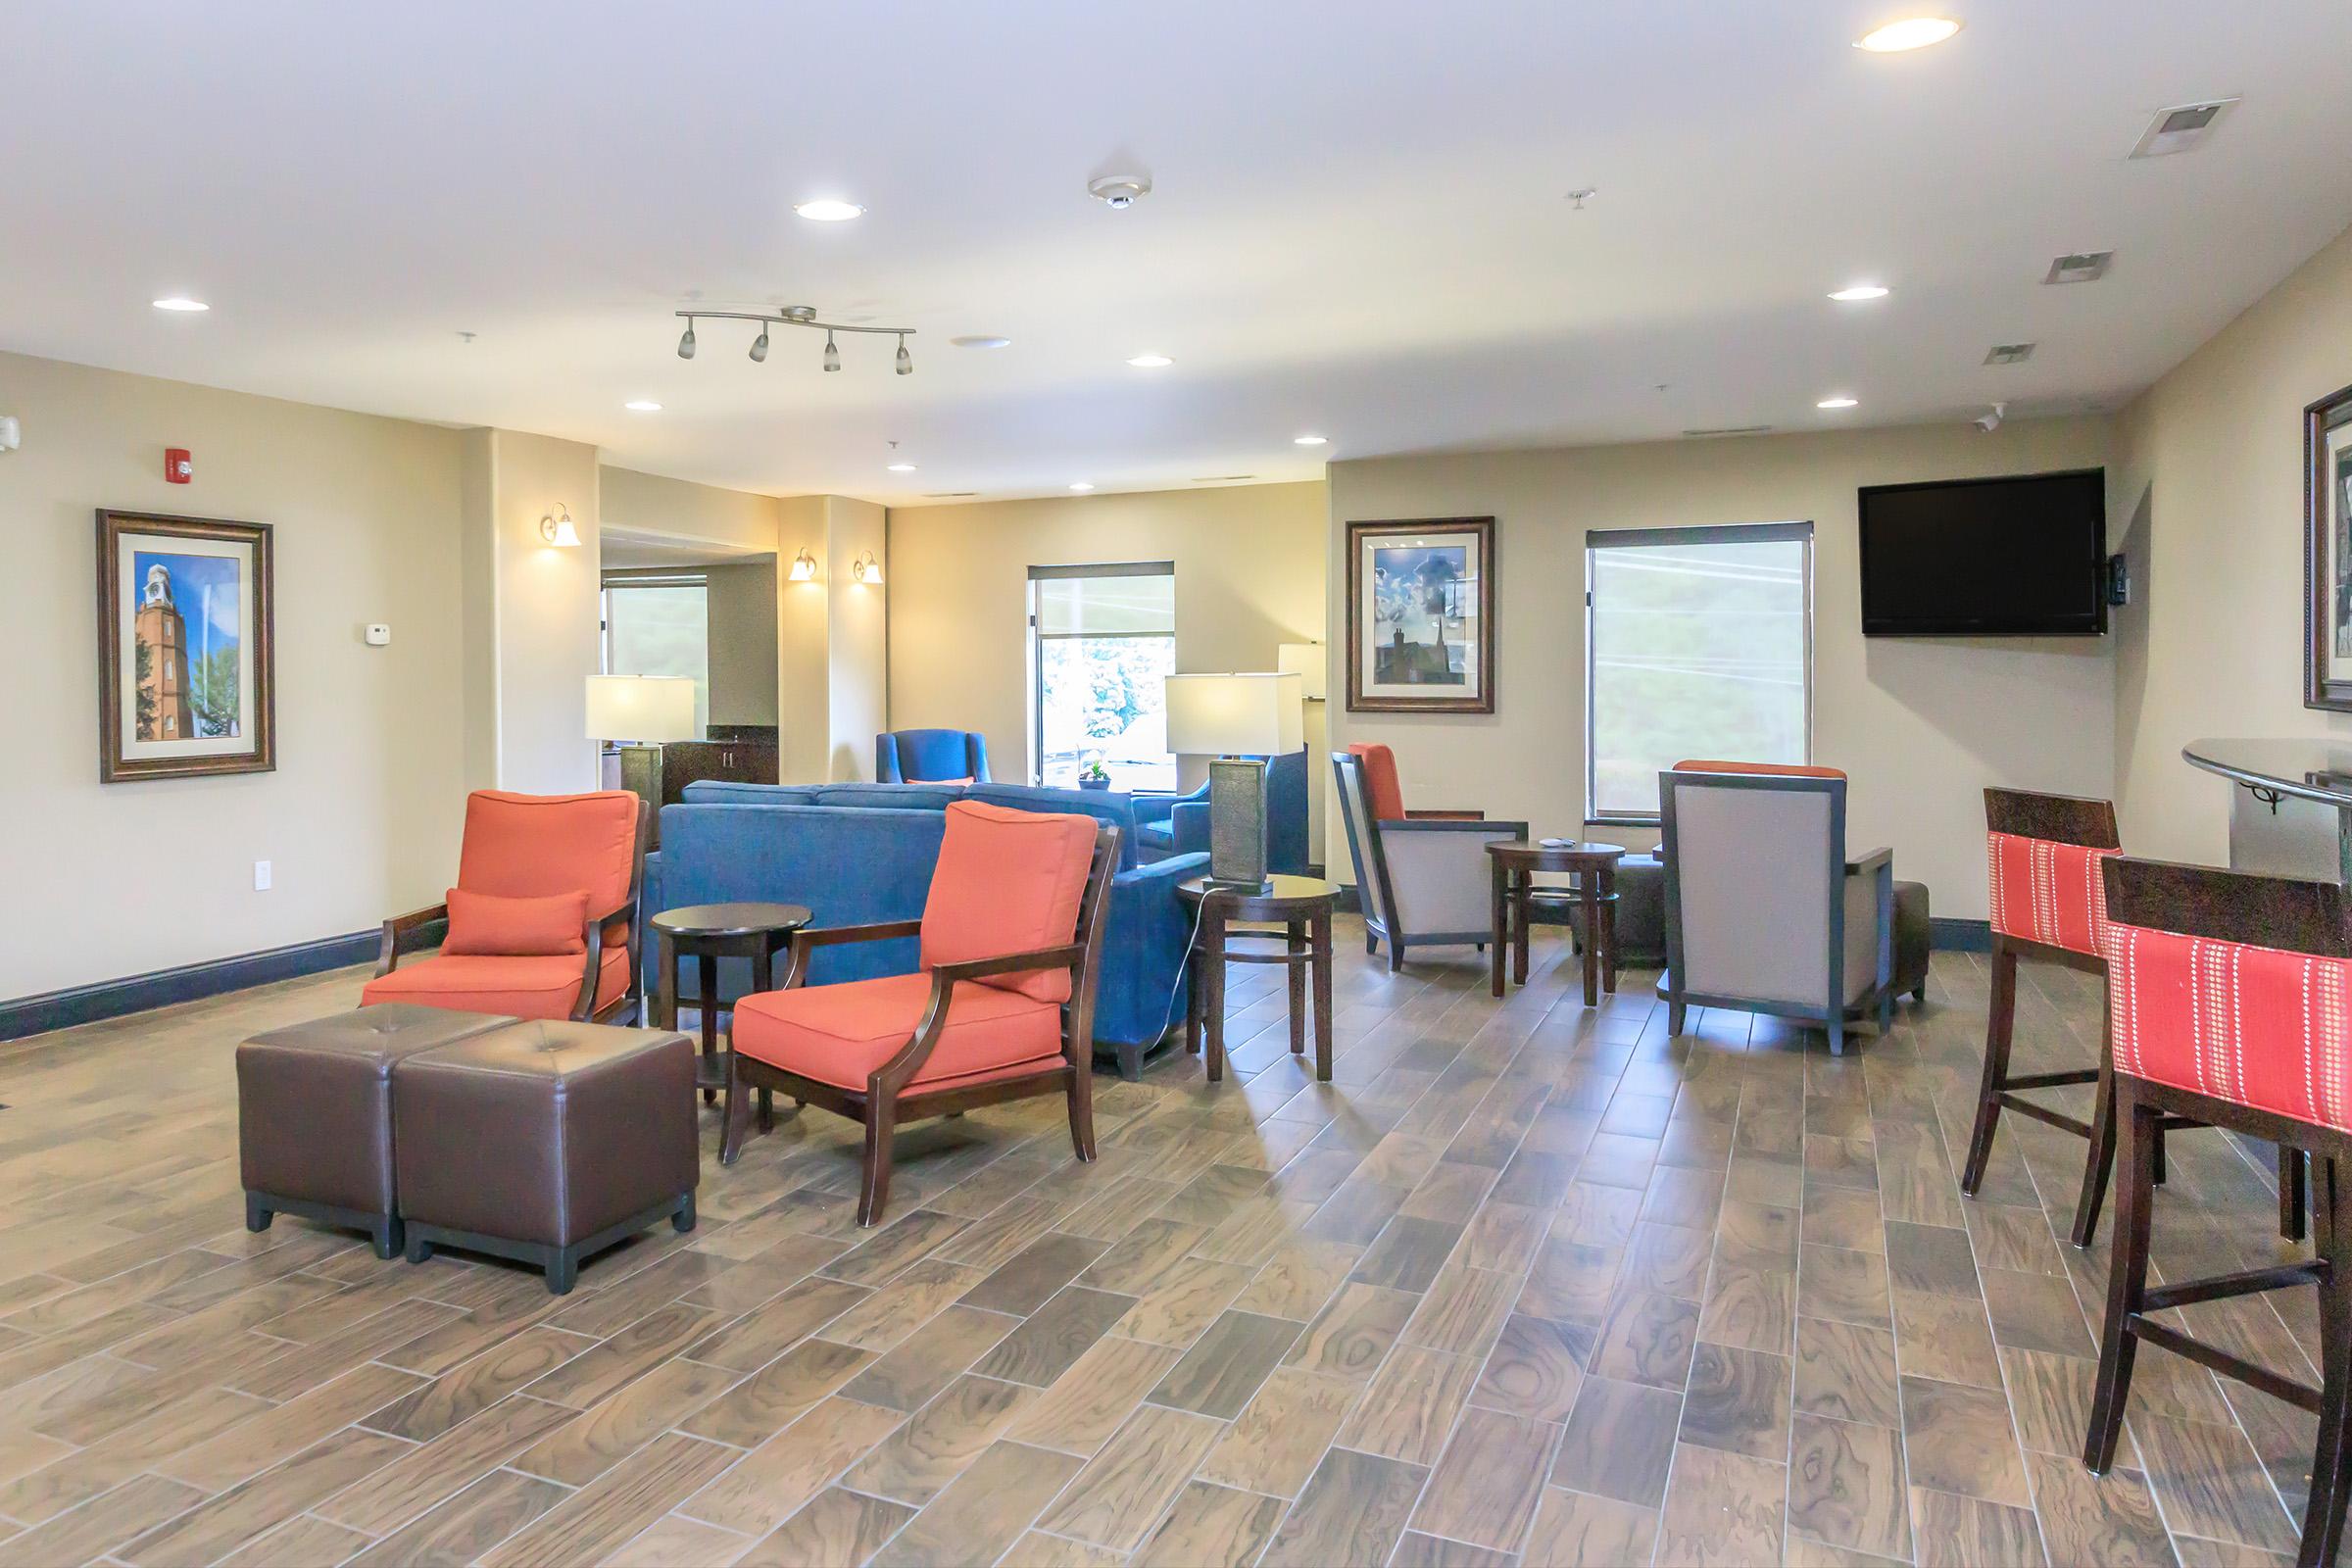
[(261, 876)]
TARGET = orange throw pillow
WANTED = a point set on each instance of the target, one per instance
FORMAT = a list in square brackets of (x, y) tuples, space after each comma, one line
[(1007, 881), (487, 925)]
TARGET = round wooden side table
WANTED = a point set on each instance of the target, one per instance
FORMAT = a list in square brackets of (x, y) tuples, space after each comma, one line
[(707, 933), (1303, 907), (1594, 866)]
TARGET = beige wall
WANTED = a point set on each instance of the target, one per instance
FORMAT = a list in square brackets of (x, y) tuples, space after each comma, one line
[(546, 619), (1921, 724), (2207, 490), (1249, 576), (856, 638), (690, 513), (360, 818)]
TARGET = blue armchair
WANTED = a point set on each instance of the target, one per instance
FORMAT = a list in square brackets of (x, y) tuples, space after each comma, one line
[(920, 756), (1177, 824)]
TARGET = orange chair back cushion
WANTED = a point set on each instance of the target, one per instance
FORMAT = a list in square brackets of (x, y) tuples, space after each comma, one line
[(529, 846), (517, 928), (2048, 892), (1382, 793), (2255, 1026), (1776, 769), (1007, 881)]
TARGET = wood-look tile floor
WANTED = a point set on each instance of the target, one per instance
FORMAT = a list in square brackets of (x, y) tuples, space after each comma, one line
[(1526, 1284)]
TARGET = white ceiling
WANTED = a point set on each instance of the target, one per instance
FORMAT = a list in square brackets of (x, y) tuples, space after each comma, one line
[(1359, 226)]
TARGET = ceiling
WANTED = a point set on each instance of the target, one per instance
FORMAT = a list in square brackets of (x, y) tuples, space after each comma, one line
[(1359, 226)]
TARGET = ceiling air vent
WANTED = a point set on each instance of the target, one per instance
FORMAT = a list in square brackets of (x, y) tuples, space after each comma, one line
[(2180, 129), (1224, 478), (2085, 266), (950, 495), (2009, 354), (1728, 429)]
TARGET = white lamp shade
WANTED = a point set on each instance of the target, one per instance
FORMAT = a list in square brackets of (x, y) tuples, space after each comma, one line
[(1234, 715), (1304, 661), (640, 708)]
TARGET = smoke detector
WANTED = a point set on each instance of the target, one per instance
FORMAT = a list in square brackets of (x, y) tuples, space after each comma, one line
[(1119, 192), (2083, 266), (2182, 129)]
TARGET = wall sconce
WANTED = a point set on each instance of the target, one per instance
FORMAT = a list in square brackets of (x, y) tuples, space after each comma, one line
[(804, 567), (557, 529), (866, 570)]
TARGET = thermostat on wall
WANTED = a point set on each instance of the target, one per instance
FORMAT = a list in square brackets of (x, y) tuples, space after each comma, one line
[(379, 634)]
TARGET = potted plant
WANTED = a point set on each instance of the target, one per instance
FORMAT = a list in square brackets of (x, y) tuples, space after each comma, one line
[(1094, 776)]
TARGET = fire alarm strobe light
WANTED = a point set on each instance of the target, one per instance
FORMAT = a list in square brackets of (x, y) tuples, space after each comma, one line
[(178, 466)]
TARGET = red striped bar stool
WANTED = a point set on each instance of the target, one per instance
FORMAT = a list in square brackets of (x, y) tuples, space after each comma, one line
[(2044, 855), (2229, 1002)]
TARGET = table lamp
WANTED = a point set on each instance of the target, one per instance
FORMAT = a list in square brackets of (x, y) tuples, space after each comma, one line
[(640, 712), (1238, 721)]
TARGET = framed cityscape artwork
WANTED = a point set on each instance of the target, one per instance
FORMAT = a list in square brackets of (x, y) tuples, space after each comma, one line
[(1421, 617), (2327, 552), (185, 668)]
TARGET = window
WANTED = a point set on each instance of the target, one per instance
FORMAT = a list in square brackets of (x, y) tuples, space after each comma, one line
[(1102, 644), (1698, 642), (660, 624)]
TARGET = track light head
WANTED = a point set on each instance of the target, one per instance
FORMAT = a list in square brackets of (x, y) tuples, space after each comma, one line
[(759, 346), (832, 354), (686, 341), (905, 359)]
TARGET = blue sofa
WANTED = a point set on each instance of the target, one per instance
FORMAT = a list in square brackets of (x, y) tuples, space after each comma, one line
[(1177, 824), (859, 853), (915, 756)]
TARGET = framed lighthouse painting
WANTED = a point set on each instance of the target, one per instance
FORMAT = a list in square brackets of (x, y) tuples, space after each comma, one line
[(186, 675)]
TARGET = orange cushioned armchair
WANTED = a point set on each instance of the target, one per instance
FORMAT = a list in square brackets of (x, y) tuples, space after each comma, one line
[(543, 922), (1001, 1009)]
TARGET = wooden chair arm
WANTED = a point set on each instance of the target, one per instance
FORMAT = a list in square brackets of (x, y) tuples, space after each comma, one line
[(900, 1070), (1445, 817), (875, 931), (1061, 957), (399, 929)]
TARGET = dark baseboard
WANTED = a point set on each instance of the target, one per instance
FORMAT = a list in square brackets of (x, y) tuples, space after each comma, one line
[(113, 998), (1959, 936)]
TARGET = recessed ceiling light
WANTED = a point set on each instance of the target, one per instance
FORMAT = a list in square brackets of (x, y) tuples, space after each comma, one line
[(1310, 440), (1150, 361), (981, 342), (1912, 32), (180, 302), (1836, 403), (642, 406), (901, 468), (1855, 292), (1082, 485), (829, 209)]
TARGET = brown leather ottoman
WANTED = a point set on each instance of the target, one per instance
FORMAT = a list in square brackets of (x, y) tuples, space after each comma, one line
[(546, 1142), (315, 1115)]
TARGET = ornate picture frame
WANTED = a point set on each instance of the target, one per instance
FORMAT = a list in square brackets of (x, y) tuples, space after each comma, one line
[(2327, 552), (1421, 615), (187, 673)]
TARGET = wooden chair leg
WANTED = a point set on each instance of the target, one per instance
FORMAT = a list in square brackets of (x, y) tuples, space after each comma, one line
[(2294, 1172), (874, 1183), (731, 1120), (2000, 1022), (2126, 1279), (2099, 1161), (2331, 1460), (1082, 1113)]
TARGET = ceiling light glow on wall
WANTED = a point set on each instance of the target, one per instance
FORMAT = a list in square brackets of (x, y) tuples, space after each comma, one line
[(901, 468), (1855, 293), (1912, 32), (830, 210), (180, 302), (1310, 440), (1836, 403), (1082, 485), (642, 406), (1150, 361)]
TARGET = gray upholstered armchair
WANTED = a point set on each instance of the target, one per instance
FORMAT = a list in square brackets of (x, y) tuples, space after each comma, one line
[(1425, 881), (1765, 912)]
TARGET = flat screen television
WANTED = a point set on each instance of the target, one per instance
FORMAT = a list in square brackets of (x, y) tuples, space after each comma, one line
[(2022, 555)]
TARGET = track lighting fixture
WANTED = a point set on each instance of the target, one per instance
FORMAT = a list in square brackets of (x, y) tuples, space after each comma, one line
[(798, 316)]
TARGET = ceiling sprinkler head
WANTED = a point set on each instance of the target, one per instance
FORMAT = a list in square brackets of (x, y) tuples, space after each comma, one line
[(1119, 192), (1581, 195)]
